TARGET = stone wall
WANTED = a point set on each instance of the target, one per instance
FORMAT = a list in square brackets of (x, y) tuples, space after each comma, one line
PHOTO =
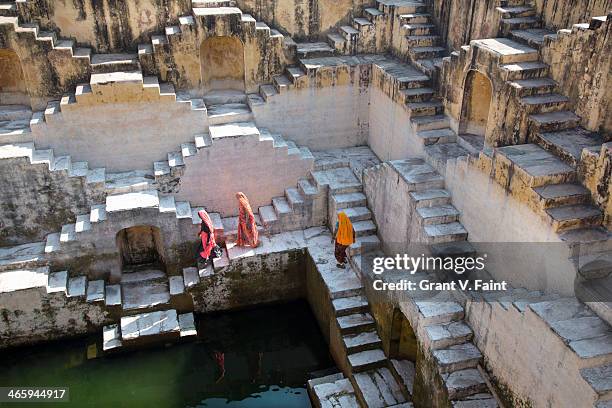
[(319, 118), (523, 356), (461, 21), (213, 176), (35, 201), (559, 14), (305, 18), (33, 315), (493, 216), (106, 25), (151, 127), (595, 171), (391, 136), (580, 62)]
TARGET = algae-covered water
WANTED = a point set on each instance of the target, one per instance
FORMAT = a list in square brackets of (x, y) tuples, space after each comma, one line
[(257, 358)]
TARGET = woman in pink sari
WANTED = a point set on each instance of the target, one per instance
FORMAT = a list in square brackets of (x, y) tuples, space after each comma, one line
[(207, 237), (247, 229)]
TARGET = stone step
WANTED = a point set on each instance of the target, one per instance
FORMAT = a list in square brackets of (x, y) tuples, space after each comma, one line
[(356, 214), (519, 23), (366, 360), (463, 383), (439, 312), (430, 198), (15, 112), (355, 323), (507, 51), (342, 201), (427, 52), (363, 228), (314, 50), (112, 295), (594, 266), (228, 113), (568, 144), (370, 241), (516, 11), (587, 241), (600, 380), (294, 198), (143, 275), (404, 372), (281, 206), (145, 295), (553, 121), (350, 305), (453, 249), (340, 180), (155, 326), (524, 70), (533, 86), (534, 165), (268, 216), (556, 195), (127, 182), (307, 189), (106, 63), (418, 174), (441, 214), (574, 216), (191, 277), (422, 40), (378, 388), (111, 337), (14, 130), (187, 325), (417, 94), (551, 102), (448, 334), (457, 357), (431, 122), (533, 37), (415, 18), (428, 108), (355, 343), (418, 29), (444, 135), (23, 256), (222, 97), (339, 393), (586, 334), (235, 129), (447, 232)]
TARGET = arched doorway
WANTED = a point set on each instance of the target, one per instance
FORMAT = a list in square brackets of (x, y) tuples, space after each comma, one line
[(140, 245), (13, 89), (222, 63), (477, 93)]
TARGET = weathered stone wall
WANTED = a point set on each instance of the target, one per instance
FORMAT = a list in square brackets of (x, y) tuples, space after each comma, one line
[(47, 72), (214, 175), (96, 253), (391, 136), (580, 62), (32, 315), (512, 342), (595, 171), (252, 281), (35, 202), (318, 117), (492, 215), (305, 18), (107, 25), (150, 126), (461, 21), (559, 14)]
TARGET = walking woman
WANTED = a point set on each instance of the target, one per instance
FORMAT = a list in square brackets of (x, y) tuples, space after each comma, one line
[(207, 238), (247, 229), (344, 235)]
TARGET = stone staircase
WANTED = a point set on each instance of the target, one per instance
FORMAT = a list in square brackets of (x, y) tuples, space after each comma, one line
[(586, 337), (14, 122)]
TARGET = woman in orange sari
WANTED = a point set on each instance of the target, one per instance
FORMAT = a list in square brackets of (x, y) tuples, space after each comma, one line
[(247, 229), (344, 237), (207, 238)]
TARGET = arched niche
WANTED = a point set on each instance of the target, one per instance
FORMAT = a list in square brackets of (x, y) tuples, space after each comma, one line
[(222, 63)]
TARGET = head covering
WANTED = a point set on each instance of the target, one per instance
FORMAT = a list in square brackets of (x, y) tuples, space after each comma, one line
[(208, 239), (247, 228), (344, 235)]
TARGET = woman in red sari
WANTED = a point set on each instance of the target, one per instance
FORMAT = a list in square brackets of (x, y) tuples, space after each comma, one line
[(247, 229), (207, 237)]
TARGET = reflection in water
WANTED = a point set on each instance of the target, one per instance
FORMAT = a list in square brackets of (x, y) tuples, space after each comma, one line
[(255, 358)]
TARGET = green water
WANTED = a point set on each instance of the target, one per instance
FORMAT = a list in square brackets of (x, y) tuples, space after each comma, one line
[(268, 353)]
